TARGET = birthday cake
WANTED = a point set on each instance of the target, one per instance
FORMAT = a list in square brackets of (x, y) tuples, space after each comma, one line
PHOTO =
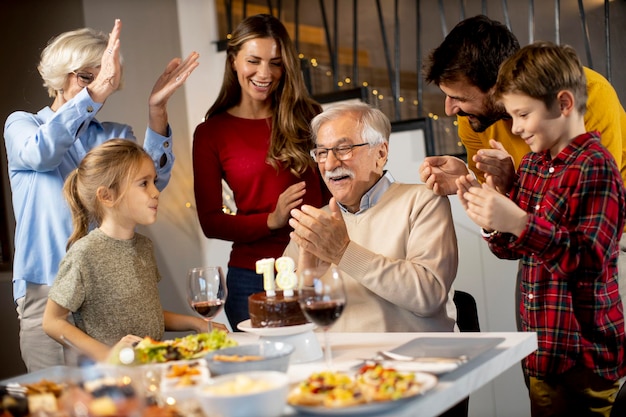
[(275, 311), (272, 307)]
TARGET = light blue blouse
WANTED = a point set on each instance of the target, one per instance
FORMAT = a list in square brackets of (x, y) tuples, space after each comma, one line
[(42, 149)]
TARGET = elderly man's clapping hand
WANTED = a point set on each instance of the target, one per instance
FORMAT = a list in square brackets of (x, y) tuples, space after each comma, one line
[(320, 233)]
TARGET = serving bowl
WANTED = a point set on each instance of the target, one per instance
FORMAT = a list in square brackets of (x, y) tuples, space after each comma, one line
[(263, 356), (257, 393)]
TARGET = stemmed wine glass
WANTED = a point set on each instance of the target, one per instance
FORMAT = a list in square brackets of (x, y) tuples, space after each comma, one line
[(206, 291), (322, 298)]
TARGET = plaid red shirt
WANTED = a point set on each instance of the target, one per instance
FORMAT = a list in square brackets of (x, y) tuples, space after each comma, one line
[(569, 250)]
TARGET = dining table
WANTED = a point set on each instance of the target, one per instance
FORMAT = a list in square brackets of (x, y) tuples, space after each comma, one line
[(487, 355), (483, 357)]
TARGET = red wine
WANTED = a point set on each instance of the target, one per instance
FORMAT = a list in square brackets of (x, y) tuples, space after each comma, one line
[(208, 308), (323, 313)]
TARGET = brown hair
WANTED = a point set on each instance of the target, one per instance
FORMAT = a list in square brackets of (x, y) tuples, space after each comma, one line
[(473, 51), (111, 165), (293, 108), (542, 69)]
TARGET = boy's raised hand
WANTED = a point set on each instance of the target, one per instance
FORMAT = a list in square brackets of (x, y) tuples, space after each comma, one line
[(489, 209)]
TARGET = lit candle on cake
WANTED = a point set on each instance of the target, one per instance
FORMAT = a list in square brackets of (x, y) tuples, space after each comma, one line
[(266, 267), (286, 278)]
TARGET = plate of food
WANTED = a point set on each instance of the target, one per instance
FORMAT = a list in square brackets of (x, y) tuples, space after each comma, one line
[(374, 388), (179, 379), (26, 395), (192, 346), (246, 326), (180, 374)]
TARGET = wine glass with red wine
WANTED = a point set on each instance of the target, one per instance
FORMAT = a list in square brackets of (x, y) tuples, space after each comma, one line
[(206, 291), (322, 299)]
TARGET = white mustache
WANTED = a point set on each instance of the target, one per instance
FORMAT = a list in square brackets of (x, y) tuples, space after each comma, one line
[(338, 172)]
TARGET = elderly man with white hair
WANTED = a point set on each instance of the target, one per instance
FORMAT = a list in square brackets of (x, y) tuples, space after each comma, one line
[(394, 243)]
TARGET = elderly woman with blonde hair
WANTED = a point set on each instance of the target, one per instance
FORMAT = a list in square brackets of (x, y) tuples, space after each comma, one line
[(80, 70)]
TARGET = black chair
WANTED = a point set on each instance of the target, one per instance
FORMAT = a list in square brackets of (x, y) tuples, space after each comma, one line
[(619, 406), (467, 320), (466, 312)]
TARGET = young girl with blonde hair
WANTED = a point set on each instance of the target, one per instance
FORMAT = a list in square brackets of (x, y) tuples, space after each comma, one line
[(109, 277)]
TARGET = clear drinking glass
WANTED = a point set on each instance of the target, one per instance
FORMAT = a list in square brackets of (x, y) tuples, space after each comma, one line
[(322, 299), (206, 291)]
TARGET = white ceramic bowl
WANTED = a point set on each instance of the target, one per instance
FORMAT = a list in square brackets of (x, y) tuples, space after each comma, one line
[(275, 358), (258, 394)]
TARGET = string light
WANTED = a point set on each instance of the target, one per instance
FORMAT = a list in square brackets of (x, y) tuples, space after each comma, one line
[(447, 124)]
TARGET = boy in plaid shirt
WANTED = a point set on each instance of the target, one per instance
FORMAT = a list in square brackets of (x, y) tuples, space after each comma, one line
[(563, 219)]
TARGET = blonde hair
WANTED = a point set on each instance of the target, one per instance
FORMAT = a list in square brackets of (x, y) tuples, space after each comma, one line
[(69, 52), (111, 165), (542, 69)]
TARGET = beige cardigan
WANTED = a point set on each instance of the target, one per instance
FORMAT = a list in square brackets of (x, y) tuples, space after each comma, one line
[(400, 264)]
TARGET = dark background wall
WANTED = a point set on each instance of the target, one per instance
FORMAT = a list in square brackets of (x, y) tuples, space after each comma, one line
[(25, 28)]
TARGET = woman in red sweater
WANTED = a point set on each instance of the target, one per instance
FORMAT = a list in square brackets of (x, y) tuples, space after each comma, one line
[(256, 138)]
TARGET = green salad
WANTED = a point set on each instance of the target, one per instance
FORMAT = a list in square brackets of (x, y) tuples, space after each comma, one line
[(192, 346)]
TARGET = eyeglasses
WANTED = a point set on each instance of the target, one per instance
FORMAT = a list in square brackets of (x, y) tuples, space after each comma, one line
[(83, 78), (342, 153)]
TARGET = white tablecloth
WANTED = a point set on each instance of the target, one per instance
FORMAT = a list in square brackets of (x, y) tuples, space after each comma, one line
[(349, 348)]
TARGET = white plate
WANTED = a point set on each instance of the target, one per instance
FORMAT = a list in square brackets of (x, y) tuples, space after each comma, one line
[(428, 382), (170, 386), (246, 326)]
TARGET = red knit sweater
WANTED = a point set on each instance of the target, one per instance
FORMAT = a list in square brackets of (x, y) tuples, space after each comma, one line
[(234, 149)]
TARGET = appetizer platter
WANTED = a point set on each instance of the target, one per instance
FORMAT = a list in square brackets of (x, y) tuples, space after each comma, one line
[(17, 400), (373, 388), (99, 390)]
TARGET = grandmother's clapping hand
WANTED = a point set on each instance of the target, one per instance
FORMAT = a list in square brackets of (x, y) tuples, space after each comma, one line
[(108, 79), (175, 74)]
